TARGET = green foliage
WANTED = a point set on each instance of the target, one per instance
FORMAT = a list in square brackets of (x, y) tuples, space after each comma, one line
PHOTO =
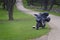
[(25, 3), (37, 8)]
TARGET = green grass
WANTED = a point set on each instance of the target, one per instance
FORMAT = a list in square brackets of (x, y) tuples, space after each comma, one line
[(20, 28)]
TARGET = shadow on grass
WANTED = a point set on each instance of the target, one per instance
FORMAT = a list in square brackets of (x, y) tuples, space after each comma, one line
[(23, 19)]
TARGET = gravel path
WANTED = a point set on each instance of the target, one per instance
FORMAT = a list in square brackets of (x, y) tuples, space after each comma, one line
[(54, 34)]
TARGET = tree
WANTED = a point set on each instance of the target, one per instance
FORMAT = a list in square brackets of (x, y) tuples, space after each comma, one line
[(10, 7), (52, 2), (45, 4), (9, 4), (30, 2)]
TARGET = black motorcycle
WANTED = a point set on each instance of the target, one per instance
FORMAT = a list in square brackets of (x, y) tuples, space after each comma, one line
[(41, 21)]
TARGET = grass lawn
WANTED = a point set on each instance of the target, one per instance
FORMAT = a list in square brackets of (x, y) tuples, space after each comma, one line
[(20, 28)]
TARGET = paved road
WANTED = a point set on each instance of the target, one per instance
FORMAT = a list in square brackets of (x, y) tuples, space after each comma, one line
[(54, 34)]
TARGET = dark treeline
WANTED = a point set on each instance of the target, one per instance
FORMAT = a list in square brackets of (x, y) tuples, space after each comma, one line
[(44, 3), (8, 5)]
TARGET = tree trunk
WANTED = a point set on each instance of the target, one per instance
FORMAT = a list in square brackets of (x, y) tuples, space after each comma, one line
[(45, 4), (10, 12), (52, 2), (10, 7)]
